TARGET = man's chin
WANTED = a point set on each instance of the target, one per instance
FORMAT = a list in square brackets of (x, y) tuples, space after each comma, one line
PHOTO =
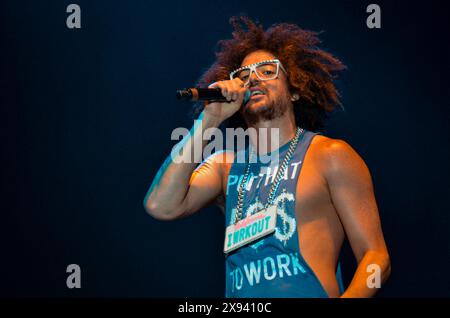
[(257, 111), (255, 107)]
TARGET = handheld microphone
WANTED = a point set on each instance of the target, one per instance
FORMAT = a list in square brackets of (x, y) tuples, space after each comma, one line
[(205, 94)]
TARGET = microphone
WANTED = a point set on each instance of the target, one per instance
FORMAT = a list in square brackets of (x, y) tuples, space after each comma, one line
[(205, 94)]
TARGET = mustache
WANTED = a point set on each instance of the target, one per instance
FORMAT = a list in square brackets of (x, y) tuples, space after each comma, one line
[(258, 85)]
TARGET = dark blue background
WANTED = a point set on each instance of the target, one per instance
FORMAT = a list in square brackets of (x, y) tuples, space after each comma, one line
[(86, 117)]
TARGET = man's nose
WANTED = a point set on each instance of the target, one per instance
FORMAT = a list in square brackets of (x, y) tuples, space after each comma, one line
[(253, 78)]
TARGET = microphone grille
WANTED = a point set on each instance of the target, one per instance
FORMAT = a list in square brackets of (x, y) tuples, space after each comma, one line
[(185, 94)]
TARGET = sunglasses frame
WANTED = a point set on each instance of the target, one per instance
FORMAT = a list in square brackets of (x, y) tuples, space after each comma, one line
[(252, 68)]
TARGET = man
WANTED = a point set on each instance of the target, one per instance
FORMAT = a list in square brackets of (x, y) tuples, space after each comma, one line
[(286, 220)]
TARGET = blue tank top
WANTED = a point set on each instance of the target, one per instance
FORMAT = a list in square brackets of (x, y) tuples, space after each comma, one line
[(272, 266)]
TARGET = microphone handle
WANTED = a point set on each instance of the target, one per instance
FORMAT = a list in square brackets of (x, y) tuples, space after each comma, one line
[(205, 94)]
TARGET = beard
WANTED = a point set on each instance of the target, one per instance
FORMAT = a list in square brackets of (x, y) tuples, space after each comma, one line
[(272, 110)]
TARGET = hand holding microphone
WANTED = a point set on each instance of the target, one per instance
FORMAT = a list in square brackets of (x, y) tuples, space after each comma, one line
[(226, 97)]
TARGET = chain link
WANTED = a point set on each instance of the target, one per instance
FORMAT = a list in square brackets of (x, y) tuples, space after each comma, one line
[(280, 173)]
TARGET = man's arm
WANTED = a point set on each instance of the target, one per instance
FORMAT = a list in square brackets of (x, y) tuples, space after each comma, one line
[(351, 191), (177, 190)]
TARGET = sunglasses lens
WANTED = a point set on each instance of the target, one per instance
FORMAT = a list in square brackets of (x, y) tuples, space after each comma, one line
[(267, 71), (264, 71)]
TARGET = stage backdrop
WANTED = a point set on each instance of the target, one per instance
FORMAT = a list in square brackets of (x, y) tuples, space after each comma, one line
[(87, 115)]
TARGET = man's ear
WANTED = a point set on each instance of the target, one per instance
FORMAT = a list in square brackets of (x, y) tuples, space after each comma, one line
[(295, 97)]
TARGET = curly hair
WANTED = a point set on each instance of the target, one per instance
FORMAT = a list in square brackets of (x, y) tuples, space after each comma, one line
[(311, 71)]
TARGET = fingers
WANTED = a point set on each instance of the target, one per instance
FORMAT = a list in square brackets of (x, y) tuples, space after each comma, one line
[(232, 90), (242, 92), (237, 89), (224, 87)]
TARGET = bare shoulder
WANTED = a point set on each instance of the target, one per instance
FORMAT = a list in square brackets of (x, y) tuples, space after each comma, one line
[(328, 146), (221, 160), (335, 155)]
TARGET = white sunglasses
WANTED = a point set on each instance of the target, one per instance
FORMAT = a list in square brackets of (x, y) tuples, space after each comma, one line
[(264, 70)]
